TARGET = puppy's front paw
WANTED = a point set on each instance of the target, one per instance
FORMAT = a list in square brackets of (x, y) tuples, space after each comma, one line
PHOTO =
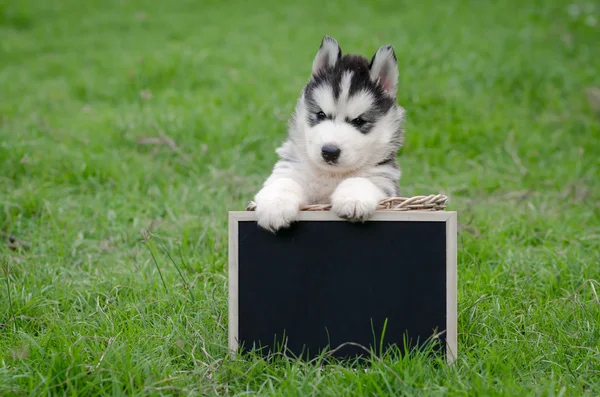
[(276, 209), (276, 214), (356, 199), (356, 209)]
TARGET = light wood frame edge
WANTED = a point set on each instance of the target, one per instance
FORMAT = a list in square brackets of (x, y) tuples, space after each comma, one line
[(451, 288), (233, 303), (449, 217)]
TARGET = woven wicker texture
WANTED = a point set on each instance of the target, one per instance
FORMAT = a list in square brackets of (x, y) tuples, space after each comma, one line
[(433, 202)]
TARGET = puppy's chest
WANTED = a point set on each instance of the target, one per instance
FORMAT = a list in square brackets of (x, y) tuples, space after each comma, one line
[(321, 187)]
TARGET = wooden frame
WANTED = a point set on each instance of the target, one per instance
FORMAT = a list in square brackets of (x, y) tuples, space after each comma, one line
[(449, 217)]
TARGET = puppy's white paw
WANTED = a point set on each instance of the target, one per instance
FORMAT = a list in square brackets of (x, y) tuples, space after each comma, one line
[(277, 213), (356, 199), (277, 206), (356, 209)]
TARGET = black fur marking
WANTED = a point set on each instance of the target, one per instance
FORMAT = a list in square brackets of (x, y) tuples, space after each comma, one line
[(389, 161), (364, 128), (313, 118), (360, 81)]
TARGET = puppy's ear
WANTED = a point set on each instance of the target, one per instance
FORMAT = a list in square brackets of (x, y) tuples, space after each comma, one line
[(327, 56), (384, 69)]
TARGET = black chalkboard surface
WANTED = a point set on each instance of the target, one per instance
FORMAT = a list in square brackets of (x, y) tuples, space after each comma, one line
[(325, 282)]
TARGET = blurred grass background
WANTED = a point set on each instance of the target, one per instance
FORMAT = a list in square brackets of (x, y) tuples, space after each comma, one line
[(123, 116)]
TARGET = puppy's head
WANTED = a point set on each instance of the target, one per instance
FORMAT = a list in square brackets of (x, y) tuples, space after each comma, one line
[(348, 114)]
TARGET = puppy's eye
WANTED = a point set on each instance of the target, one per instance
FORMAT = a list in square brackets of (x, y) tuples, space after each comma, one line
[(358, 122), (321, 116)]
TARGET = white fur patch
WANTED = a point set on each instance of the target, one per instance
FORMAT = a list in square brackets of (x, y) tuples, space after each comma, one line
[(358, 103), (323, 96)]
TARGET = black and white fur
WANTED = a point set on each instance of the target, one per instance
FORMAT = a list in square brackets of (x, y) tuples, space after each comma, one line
[(343, 140)]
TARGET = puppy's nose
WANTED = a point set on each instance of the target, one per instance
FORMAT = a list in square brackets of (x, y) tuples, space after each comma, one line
[(330, 153)]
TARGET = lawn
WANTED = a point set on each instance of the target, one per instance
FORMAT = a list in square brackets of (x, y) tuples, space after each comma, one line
[(124, 119)]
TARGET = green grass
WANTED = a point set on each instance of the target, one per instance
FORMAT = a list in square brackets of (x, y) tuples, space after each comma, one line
[(502, 117)]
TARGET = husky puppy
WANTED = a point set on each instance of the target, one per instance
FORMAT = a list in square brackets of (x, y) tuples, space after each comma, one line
[(342, 143)]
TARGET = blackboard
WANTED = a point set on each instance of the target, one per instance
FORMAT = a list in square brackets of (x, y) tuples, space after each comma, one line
[(325, 282)]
